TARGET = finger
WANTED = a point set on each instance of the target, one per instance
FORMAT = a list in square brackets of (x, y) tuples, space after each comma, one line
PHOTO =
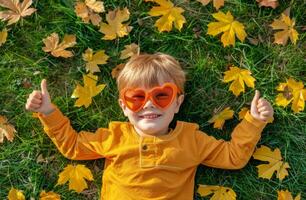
[(36, 94), (33, 105), (262, 109), (266, 113), (43, 86), (36, 101), (254, 102)]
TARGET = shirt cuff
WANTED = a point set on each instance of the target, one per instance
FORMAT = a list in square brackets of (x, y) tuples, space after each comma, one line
[(256, 122), (51, 119)]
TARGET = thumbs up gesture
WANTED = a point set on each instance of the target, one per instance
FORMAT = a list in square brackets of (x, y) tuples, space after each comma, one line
[(261, 109), (40, 101)]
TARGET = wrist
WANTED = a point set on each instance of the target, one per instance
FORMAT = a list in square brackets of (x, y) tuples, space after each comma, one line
[(49, 110)]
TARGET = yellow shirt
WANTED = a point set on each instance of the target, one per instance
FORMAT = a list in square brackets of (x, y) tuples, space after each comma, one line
[(153, 167)]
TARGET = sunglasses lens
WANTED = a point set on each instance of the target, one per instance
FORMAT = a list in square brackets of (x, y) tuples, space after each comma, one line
[(163, 97), (134, 99)]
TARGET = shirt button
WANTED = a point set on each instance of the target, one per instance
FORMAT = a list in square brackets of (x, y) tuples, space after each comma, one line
[(144, 147)]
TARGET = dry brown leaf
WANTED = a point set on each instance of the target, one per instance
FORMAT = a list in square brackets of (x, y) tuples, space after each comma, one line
[(88, 11), (16, 10), (117, 70), (217, 3), (52, 45), (6, 130), (129, 51), (268, 3)]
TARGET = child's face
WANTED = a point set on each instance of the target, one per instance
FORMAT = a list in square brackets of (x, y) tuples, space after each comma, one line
[(150, 119)]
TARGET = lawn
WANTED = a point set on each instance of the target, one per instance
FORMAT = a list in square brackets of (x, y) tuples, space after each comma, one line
[(31, 162)]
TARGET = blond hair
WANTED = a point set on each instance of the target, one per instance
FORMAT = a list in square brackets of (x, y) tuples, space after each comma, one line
[(148, 69)]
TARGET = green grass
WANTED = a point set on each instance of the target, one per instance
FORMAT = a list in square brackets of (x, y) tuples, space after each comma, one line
[(203, 58)]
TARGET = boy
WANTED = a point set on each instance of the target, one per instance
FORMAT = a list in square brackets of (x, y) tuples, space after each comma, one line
[(144, 159)]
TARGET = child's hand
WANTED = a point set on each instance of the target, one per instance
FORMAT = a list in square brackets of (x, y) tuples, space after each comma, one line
[(40, 101), (261, 109)]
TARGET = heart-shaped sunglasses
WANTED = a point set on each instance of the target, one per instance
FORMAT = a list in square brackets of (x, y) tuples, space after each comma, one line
[(160, 96)]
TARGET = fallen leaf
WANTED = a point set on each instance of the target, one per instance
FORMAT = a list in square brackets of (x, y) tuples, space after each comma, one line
[(93, 60), (274, 158), (6, 130), (285, 24), (115, 28), (117, 70), (86, 93), (58, 50), (217, 3), (219, 118), (286, 195), (228, 26), (49, 195), (16, 10), (129, 51), (219, 192), (239, 78), (76, 176), (268, 3), (3, 36), (170, 15), (15, 194), (291, 91), (88, 11)]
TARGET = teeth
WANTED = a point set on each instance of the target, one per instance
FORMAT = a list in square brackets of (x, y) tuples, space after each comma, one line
[(150, 116)]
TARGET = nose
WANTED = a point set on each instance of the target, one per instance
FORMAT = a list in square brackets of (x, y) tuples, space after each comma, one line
[(149, 104)]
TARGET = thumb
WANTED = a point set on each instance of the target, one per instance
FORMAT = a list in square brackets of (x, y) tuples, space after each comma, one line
[(43, 86), (254, 102)]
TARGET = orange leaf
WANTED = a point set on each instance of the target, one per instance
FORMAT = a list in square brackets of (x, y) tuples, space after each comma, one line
[(129, 51), (268, 3), (6, 130), (220, 193), (15, 194), (217, 3), (58, 50), (49, 195), (115, 28), (3, 36), (16, 10), (286, 25), (286, 195), (275, 163), (87, 11), (93, 60)]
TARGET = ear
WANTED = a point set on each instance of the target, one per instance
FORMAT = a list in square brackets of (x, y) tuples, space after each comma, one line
[(123, 106), (179, 102)]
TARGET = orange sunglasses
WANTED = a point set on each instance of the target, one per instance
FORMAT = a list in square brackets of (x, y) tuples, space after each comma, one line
[(160, 96)]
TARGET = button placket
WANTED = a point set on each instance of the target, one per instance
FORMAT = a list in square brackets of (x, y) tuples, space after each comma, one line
[(147, 152)]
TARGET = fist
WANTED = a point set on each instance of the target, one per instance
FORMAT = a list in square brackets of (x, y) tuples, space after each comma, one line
[(261, 109), (40, 101)]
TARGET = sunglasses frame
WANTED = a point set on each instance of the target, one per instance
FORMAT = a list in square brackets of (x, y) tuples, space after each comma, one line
[(148, 95)]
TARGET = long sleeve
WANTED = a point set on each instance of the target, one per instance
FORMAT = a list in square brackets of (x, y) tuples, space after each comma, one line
[(77, 146), (233, 154)]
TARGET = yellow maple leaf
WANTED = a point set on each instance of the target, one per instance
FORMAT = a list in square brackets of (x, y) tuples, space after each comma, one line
[(220, 193), (170, 15), (291, 91), (15, 194), (274, 158), (90, 89), (268, 3), (115, 28), (285, 24), (219, 118), (217, 3), (3, 36), (58, 50), (49, 195), (117, 70), (93, 60), (6, 130), (76, 176), (239, 78), (286, 195), (87, 11), (16, 10), (228, 26), (129, 51)]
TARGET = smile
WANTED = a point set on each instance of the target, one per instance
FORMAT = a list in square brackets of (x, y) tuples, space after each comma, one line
[(150, 116)]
